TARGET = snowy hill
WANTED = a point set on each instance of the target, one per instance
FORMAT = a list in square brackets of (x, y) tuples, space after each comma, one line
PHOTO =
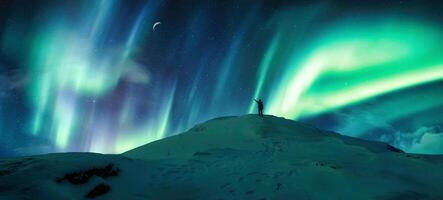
[(244, 157)]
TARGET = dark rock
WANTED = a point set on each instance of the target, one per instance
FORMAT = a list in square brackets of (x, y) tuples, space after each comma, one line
[(393, 149), (278, 187), (84, 176), (98, 190), (413, 156), (250, 192), (6, 172), (79, 178), (199, 128), (333, 167)]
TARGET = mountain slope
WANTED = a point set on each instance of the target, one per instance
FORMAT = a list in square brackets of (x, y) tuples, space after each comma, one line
[(244, 157), (251, 133)]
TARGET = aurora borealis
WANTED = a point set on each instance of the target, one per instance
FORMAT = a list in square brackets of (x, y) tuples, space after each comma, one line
[(94, 76)]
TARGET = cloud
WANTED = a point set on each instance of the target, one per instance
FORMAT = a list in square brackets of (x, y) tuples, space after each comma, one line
[(22, 144), (357, 123), (33, 149), (14, 79), (136, 73), (426, 140), (4, 86), (364, 124)]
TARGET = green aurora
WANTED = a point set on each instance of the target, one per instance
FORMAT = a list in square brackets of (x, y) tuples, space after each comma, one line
[(103, 81)]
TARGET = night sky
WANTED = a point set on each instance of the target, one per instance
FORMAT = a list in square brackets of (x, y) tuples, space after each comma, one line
[(95, 76)]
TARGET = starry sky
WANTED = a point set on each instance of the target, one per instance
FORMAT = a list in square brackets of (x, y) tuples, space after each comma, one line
[(94, 76)]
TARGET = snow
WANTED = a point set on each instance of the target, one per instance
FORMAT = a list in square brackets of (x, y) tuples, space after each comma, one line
[(244, 157)]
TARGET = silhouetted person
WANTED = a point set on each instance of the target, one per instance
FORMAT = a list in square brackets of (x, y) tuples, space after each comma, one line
[(260, 107)]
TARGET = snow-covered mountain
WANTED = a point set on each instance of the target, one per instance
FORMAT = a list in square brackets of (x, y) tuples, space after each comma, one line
[(246, 157)]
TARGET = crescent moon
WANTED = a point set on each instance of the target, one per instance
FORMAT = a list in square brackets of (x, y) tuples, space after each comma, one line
[(155, 25)]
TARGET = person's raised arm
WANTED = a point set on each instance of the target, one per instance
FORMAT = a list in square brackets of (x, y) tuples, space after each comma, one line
[(255, 100)]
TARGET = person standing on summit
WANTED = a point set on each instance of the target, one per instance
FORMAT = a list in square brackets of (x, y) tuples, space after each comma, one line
[(260, 107)]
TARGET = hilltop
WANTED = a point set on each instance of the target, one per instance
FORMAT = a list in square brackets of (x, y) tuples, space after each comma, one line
[(245, 157)]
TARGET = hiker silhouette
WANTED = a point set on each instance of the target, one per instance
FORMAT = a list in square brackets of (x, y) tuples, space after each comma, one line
[(260, 107)]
